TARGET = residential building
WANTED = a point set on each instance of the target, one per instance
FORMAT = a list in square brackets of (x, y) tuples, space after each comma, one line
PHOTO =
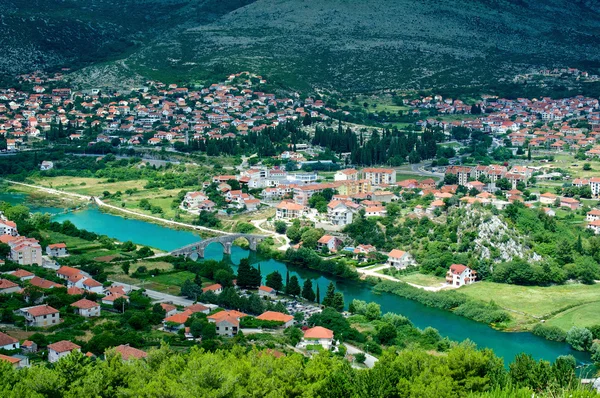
[(8, 227), (460, 275), (40, 315), (378, 176), (29, 347), (57, 250), (287, 210), (548, 198), (595, 186), (22, 274), (24, 251), (60, 350), (176, 322), (86, 308), (65, 272), (346, 175), (375, 211), (170, 309), (46, 165), (287, 320), (8, 343), (215, 288), (129, 353), (341, 213), (266, 291), (332, 243), (8, 287), (592, 215), (594, 226), (399, 259), (17, 361), (227, 323), (317, 336), (571, 203)]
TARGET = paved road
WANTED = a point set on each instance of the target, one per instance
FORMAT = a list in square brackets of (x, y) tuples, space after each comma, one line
[(370, 359), (157, 296)]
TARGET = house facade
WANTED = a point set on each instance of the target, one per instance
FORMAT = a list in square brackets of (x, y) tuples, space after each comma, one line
[(60, 350), (460, 275), (40, 315), (399, 259)]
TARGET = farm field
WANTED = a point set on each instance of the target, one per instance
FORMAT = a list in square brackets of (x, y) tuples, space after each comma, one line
[(422, 280)]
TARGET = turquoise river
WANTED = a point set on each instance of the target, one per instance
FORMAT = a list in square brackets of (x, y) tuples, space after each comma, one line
[(504, 344)]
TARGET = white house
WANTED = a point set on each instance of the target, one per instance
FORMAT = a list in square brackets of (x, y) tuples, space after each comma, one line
[(460, 275), (227, 323), (592, 215), (8, 228), (215, 288), (60, 350), (399, 259), (548, 198), (46, 165), (86, 308), (40, 315), (341, 213), (57, 250), (8, 287), (346, 175), (330, 242), (317, 336), (266, 291), (8, 343)]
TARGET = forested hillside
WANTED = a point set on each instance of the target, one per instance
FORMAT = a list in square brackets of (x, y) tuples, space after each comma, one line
[(238, 373), (349, 45)]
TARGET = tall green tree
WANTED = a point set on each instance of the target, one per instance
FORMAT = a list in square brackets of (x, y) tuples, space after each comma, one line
[(307, 290), (328, 300), (293, 289), (275, 281)]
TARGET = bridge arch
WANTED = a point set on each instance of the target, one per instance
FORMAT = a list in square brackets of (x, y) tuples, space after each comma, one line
[(225, 240)]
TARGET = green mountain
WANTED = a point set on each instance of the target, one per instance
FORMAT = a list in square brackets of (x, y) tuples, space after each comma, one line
[(349, 45)]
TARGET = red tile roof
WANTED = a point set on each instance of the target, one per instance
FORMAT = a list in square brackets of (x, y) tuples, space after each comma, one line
[(318, 332), (7, 340), (85, 304), (63, 346), (128, 352), (275, 316), (41, 310)]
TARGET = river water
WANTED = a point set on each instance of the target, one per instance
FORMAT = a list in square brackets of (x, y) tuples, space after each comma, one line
[(505, 345)]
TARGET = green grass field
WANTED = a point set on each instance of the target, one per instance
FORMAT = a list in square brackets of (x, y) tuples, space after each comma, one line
[(408, 176), (563, 305), (422, 279), (585, 315)]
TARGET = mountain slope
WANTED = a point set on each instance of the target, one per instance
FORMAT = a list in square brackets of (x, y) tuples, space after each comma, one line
[(349, 45), (365, 45)]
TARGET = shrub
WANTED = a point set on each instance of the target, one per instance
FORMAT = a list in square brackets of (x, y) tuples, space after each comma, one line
[(579, 338), (553, 333)]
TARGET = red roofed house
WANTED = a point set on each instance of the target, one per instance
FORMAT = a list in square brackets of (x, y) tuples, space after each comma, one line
[(287, 320), (170, 309), (330, 242), (16, 362), (8, 343), (571, 203), (8, 287), (399, 259), (40, 315), (86, 308), (93, 286), (22, 274), (176, 322), (227, 323), (8, 228), (194, 308), (593, 215), (61, 349), (594, 226), (128, 353), (317, 336), (460, 275), (65, 272), (216, 288), (266, 291), (57, 250)]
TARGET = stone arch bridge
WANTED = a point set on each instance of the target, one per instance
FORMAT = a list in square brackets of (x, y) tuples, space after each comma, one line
[(225, 240)]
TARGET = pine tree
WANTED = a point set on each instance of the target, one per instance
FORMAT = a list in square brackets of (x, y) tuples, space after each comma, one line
[(579, 245), (529, 153), (275, 281), (294, 287), (338, 301), (307, 290), (329, 295)]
